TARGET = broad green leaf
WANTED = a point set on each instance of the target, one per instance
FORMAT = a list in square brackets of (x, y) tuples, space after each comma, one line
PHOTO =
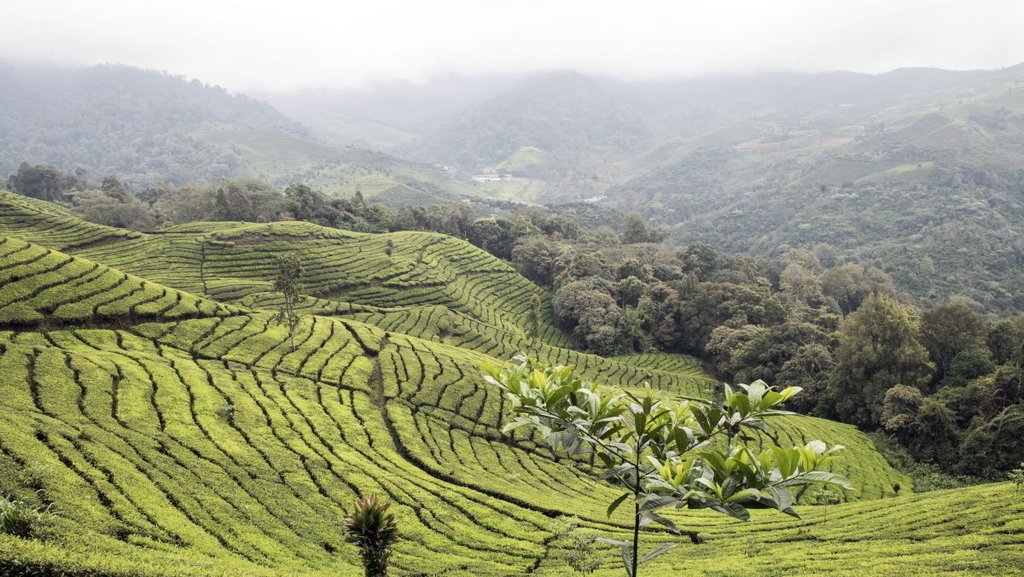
[(615, 504)]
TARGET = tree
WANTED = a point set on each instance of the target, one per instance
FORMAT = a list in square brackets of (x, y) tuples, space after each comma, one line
[(1016, 476), (700, 259), (949, 329), (935, 437), (800, 283), (533, 317), (1006, 340), (499, 236), (693, 454), (307, 204), (899, 411), (113, 188), (246, 200), (539, 259), (878, 349), (41, 181), (590, 313), (809, 369), (968, 365), (288, 283), (635, 230), (757, 353), (851, 284), (997, 445), (100, 208), (709, 305), (371, 528)]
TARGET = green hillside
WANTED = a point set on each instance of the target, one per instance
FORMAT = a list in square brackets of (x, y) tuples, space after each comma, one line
[(193, 440), (51, 225), (44, 287)]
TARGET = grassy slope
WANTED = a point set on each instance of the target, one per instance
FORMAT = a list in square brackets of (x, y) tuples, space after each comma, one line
[(206, 446)]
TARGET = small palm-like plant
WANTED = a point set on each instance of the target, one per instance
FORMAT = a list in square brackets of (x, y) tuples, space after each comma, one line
[(371, 528)]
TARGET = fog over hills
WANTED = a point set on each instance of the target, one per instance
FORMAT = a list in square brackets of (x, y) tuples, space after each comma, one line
[(896, 167)]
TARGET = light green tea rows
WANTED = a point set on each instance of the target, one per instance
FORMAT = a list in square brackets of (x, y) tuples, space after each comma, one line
[(46, 286), (47, 224), (194, 441)]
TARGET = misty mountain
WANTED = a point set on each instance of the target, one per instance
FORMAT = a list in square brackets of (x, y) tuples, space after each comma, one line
[(897, 169), (894, 169), (141, 124), (147, 126)]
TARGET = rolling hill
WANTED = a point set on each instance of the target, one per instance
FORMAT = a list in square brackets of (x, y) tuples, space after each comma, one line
[(176, 432)]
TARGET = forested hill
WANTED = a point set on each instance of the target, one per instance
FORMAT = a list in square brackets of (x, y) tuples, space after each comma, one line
[(123, 120), (917, 171), (148, 127)]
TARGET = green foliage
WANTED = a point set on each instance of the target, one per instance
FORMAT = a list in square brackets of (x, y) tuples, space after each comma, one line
[(635, 230), (926, 477), (578, 546), (21, 519), (751, 548), (374, 530), (949, 329), (46, 287), (878, 349), (127, 426), (662, 453), (52, 225), (1016, 476), (43, 182), (288, 282), (533, 317)]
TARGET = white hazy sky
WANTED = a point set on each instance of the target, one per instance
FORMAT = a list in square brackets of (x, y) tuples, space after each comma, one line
[(283, 45)]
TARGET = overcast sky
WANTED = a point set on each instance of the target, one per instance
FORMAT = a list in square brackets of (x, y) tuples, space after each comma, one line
[(284, 45)]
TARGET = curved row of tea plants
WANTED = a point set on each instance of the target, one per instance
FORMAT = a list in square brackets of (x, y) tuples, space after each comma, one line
[(44, 286), (50, 225)]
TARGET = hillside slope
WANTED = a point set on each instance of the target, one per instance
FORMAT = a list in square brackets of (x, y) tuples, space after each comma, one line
[(186, 451), (208, 446)]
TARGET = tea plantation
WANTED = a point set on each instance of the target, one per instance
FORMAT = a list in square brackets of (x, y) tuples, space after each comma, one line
[(150, 396)]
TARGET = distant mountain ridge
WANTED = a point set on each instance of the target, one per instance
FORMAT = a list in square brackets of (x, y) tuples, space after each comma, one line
[(917, 170), (146, 127)]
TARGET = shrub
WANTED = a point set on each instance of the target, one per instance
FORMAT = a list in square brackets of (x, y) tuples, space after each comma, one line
[(18, 518), (1017, 476), (579, 550)]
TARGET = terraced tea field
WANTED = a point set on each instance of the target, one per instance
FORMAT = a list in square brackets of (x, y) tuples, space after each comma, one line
[(150, 396)]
